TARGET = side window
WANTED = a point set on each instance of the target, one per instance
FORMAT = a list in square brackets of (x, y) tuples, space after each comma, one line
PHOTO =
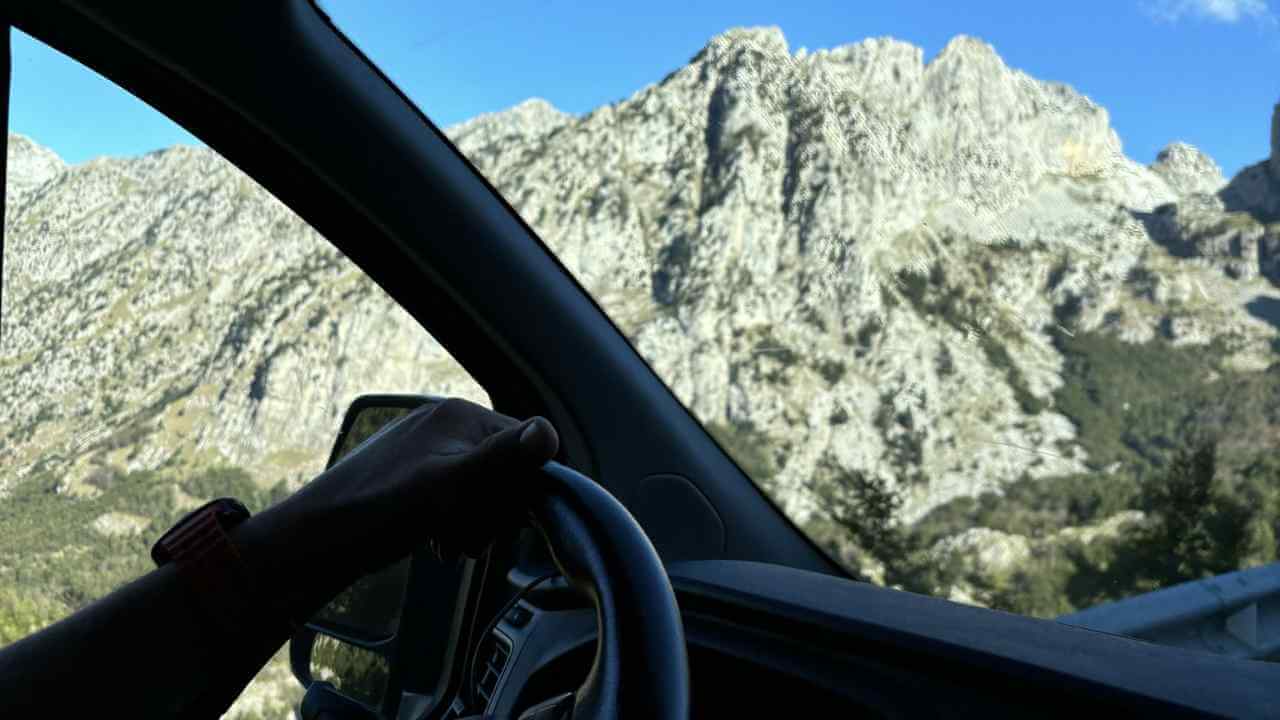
[(170, 333)]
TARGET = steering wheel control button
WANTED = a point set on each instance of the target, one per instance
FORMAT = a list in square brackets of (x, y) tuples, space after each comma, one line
[(557, 708), (518, 617)]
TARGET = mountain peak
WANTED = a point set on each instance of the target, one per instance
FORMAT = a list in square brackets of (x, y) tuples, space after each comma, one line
[(529, 118), (969, 72), (766, 39), (1188, 170), (536, 115), (967, 47), (536, 106), (31, 164)]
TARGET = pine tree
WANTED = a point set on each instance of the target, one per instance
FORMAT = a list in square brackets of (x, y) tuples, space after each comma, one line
[(1178, 545)]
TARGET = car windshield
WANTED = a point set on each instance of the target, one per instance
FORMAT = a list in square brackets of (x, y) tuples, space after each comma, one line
[(983, 297)]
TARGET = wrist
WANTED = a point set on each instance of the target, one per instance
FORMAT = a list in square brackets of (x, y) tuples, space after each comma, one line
[(295, 555), (273, 546)]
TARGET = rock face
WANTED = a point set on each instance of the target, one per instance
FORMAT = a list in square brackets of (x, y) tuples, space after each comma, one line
[(1187, 170), (1237, 228), (165, 309), (1234, 242), (773, 230), (748, 221), (990, 551)]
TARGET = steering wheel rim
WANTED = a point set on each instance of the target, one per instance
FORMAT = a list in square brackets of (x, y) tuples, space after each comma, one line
[(641, 667)]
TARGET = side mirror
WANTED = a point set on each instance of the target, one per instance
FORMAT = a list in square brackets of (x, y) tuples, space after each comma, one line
[(353, 647), (369, 610)]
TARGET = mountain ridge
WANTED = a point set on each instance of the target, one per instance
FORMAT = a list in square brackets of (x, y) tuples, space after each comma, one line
[(664, 278)]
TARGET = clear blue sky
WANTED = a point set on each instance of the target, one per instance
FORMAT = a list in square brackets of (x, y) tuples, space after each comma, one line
[(1202, 71)]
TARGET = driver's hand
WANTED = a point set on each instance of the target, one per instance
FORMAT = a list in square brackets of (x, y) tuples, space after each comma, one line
[(452, 471)]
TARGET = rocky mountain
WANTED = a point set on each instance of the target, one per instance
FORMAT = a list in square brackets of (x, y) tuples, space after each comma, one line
[(743, 218), (748, 221), (946, 274), (166, 310)]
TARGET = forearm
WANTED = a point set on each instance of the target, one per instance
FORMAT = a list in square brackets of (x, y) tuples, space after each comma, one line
[(150, 650)]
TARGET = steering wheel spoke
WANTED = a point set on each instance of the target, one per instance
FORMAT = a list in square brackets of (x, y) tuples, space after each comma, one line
[(641, 668)]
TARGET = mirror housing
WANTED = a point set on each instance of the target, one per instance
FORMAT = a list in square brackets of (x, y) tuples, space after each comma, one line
[(368, 612)]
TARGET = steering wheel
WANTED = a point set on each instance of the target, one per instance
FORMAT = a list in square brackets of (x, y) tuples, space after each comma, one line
[(641, 668)]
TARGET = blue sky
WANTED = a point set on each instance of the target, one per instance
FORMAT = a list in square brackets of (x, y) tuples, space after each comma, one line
[(1201, 71)]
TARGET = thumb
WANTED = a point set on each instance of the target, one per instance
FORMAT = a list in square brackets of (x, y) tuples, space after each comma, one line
[(499, 458), (524, 446)]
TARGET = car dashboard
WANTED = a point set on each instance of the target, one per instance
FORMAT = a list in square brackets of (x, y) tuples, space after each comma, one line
[(766, 639)]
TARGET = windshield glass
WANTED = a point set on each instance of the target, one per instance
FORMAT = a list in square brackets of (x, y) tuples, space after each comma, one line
[(987, 303)]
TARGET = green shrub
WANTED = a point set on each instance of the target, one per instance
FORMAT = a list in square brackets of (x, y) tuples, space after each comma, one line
[(53, 561), (1200, 520), (864, 508)]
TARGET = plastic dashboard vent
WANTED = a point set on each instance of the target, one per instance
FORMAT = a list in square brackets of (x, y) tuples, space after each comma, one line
[(494, 654)]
